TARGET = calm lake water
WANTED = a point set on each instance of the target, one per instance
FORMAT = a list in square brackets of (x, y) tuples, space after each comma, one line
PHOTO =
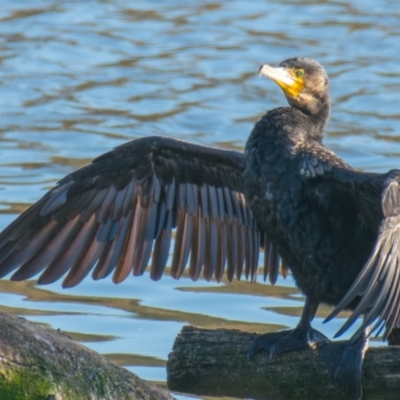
[(80, 77)]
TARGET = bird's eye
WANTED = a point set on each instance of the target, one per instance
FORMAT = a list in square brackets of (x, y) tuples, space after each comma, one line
[(299, 73)]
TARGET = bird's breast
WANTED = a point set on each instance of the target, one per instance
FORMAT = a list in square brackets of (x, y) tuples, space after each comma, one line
[(271, 180)]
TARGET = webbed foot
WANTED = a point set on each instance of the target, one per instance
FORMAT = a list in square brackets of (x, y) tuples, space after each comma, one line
[(344, 361), (285, 341)]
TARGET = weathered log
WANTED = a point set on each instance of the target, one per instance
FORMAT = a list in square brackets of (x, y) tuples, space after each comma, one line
[(39, 363), (214, 363)]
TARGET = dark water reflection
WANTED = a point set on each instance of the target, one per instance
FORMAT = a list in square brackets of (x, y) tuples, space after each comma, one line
[(80, 77)]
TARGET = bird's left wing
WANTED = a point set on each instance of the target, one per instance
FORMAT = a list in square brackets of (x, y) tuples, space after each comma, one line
[(378, 284)]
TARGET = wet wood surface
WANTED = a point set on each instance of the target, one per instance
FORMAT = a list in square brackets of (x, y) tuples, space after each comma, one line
[(37, 362)]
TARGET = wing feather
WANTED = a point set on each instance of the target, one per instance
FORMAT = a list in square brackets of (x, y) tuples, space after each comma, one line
[(119, 212), (377, 287), (198, 246)]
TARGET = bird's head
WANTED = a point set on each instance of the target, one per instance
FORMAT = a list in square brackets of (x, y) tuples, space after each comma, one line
[(304, 82)]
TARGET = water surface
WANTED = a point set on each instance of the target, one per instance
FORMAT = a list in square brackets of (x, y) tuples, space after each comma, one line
[(80, 77)]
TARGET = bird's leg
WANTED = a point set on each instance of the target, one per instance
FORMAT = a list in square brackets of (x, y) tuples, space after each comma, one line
[(303, 336), (344, 361)]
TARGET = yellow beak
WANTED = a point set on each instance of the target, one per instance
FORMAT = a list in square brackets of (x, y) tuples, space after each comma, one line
[(289, 83)]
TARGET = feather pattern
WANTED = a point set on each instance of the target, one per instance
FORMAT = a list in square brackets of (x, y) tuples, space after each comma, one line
[(118, 214), (377, 287)]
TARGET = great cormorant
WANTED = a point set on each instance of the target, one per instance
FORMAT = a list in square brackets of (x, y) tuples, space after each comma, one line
[(336, 229)]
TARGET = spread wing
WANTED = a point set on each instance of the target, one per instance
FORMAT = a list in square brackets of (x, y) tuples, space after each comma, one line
[(378, 284), (115, 214)]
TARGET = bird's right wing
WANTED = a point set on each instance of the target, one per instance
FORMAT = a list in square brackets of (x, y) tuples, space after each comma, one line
[(116, 213)]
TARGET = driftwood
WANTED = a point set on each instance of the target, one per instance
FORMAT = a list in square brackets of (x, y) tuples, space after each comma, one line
[(39, 363), (214, 363)]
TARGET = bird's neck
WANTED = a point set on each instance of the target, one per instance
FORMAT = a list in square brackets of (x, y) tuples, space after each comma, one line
[(318, 123), (315, 115)]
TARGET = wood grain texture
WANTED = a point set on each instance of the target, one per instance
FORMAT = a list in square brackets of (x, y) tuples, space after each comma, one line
[(214, 363)]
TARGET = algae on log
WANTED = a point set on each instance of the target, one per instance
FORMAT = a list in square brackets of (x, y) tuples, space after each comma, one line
[(214, 363), (38, 363)]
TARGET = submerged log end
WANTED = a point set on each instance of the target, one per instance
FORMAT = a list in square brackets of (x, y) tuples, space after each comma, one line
[(37, 362)]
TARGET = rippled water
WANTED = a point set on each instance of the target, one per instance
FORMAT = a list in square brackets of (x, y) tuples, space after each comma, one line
[(80, 77)]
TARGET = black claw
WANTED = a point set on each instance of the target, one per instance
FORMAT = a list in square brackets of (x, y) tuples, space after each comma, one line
[(298, 339), (263, 343)]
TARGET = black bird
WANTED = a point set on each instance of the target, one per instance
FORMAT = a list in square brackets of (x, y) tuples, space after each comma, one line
[(335, 228)]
